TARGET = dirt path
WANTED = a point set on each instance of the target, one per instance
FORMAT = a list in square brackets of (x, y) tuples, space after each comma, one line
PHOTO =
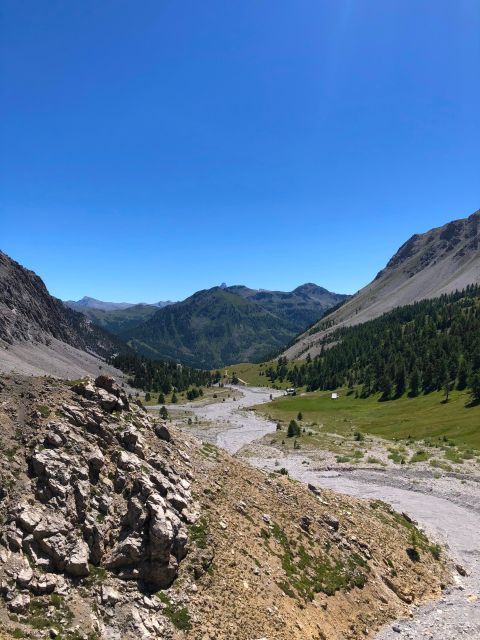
[(436, 504)]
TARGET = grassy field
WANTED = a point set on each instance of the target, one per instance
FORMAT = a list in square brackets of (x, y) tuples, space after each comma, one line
[(425, 417), (254, 374), (210, 394)]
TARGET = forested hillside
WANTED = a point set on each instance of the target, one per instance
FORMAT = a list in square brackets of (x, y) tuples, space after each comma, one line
[(419, 348), (159, 375), (441, 261)]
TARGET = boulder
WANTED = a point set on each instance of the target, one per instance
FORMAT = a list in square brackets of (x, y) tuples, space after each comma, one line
[(162, 432), (330, 521)]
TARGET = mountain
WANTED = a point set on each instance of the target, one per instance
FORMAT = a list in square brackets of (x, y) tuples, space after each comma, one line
[(298, 308), (92, 303), (116, 317), (442, 260), (431, 345), (220, 326), (35, 326), (120, 319)]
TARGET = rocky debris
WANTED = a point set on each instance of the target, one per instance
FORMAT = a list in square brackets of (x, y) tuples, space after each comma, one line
[(106, 392), (111, 531), (98, 500)]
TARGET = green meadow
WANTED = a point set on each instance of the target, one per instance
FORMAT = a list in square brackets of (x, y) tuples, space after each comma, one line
[(420, 418)]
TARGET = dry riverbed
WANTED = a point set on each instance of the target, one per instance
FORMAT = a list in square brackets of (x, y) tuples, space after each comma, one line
[(444, 502)]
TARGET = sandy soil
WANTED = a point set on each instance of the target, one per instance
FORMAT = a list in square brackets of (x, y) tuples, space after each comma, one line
[(447, 507)]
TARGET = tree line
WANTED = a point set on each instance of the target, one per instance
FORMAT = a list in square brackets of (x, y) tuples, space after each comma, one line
[(423, 347)]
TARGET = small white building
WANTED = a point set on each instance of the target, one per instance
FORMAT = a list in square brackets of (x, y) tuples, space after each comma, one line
[(291, 391), (335, 396)]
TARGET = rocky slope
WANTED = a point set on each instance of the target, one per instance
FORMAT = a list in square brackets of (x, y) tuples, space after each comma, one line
[(116, 526), (427, 265), (32, 318), (226, 325)]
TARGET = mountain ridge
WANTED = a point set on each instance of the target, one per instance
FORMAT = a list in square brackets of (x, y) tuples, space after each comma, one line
[(226, 325), (38, 334), (101, 305), (441, 260)]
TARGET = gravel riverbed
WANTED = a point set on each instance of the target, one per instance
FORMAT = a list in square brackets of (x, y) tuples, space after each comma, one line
[(446, 507)]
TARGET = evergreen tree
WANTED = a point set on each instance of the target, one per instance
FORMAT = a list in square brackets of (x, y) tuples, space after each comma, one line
[(161, 398), (475, 387), (462, 375), (163, 412), (414, 384), (293, 429), (400, 381), (385, 387)]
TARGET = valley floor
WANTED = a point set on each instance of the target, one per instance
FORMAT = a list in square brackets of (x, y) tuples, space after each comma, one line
[(445, 503)]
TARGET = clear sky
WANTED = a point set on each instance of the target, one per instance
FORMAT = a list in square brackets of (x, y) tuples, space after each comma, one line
[(151, 148)]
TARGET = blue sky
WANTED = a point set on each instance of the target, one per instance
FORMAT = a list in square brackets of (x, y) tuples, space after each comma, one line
[(154, 148)]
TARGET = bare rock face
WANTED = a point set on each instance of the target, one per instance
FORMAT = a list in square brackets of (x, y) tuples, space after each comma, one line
[(29, 313), (99, 499)]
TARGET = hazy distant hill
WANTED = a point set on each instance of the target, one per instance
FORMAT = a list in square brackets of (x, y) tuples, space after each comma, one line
[(224, 325), (441, 260), (115, 316)]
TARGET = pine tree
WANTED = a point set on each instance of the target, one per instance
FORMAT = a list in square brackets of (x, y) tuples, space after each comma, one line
[(462, 375), (414, 384), (293, 429), (163, 412), (385, 387), (474, 383), (400, 381)]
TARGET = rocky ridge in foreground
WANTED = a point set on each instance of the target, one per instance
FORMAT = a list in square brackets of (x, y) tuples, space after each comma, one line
[(115, 526)]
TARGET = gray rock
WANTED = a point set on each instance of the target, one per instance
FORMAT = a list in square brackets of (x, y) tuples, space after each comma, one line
[(20, 603), (331, 521), (162, 432)]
